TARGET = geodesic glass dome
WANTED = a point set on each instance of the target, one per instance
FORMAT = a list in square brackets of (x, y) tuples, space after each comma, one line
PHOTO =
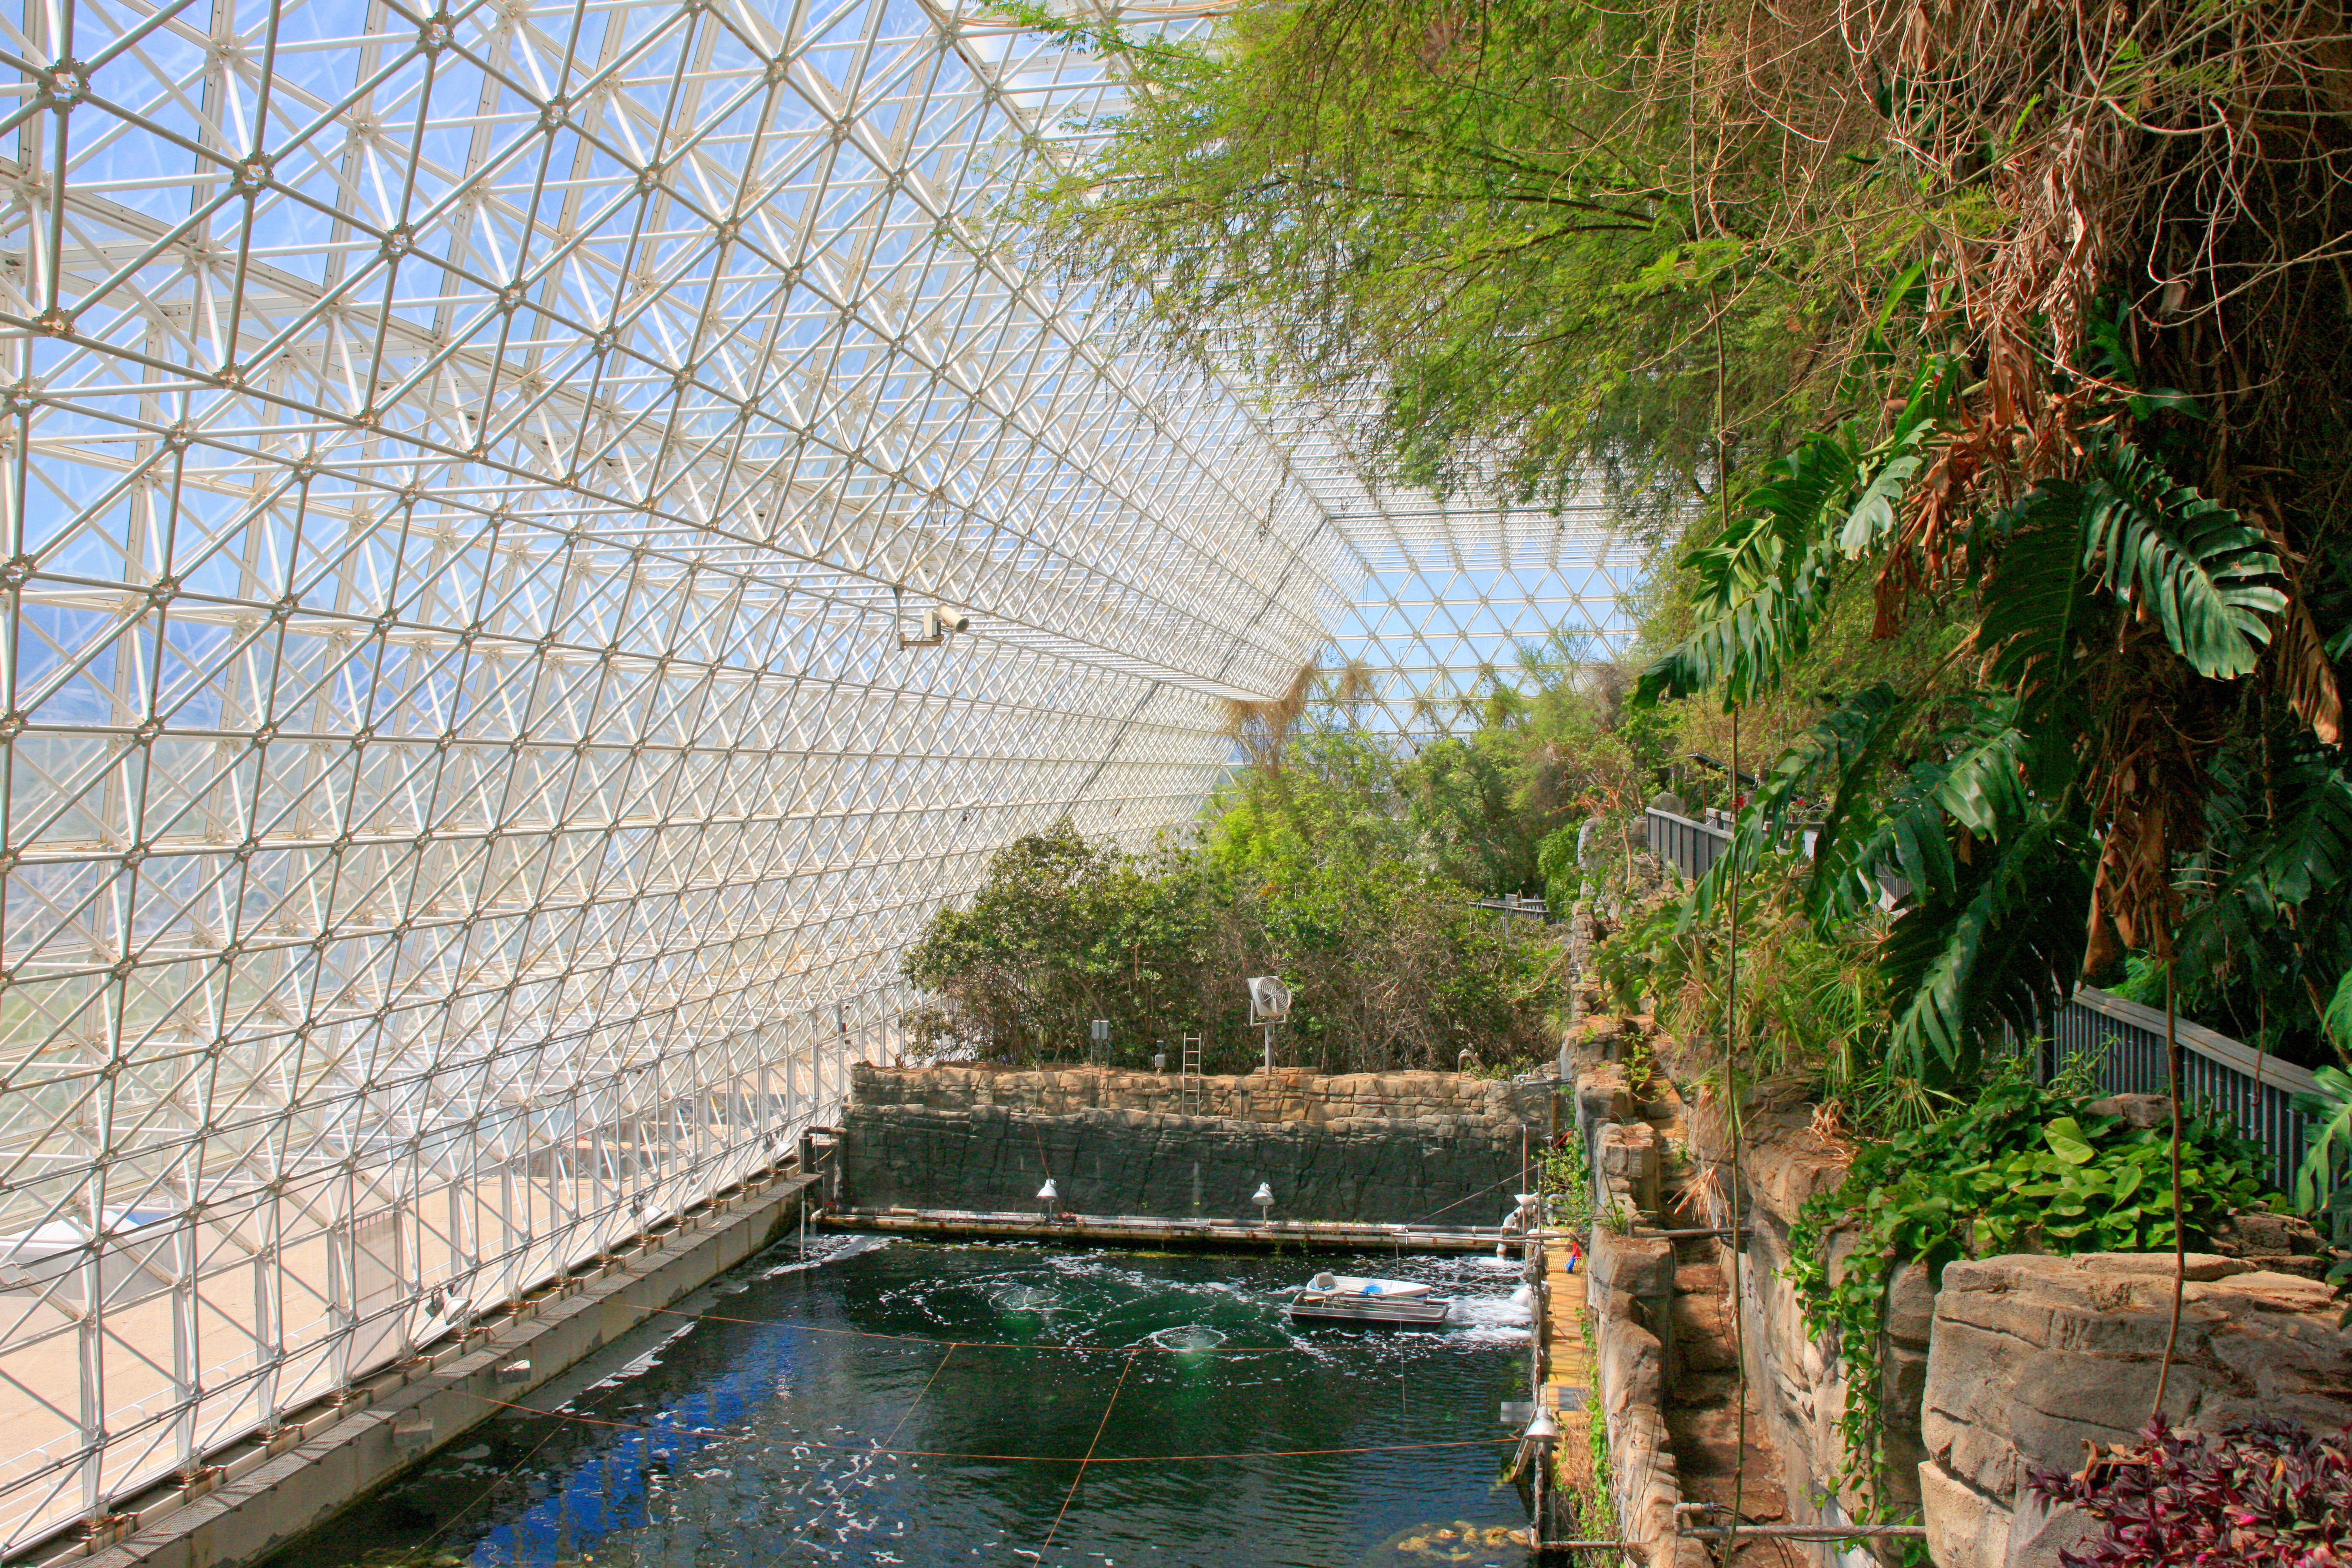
[(475, 478)]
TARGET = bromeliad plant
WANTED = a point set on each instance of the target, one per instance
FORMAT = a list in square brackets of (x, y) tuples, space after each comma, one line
[(2024, 1168)]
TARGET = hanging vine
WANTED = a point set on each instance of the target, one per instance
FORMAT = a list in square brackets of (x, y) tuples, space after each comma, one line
[(2024, 1169)]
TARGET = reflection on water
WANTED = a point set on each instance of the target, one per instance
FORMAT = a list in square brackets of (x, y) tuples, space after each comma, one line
[(883, 1403)]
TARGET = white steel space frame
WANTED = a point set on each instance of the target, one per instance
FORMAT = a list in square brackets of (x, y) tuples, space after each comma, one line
[(464, 473)]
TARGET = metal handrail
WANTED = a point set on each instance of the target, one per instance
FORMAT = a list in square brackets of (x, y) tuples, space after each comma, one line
[(1689, 846), (2125, 1042)]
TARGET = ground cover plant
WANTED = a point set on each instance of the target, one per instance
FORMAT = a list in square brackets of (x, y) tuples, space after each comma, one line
[(2024, 1167), (2257, 1494)]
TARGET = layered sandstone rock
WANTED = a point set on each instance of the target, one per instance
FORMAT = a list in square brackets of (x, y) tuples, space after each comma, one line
[(2031, 1358)]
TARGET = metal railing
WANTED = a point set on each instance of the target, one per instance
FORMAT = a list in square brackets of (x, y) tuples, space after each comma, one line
[(1514, 904), (1689, 846), (2125, 1044), (2123, 1040)]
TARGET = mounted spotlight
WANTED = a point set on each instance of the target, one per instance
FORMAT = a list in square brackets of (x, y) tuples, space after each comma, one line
[(937, 623)]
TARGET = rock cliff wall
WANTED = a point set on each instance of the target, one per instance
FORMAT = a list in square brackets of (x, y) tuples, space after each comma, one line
[(2033, 1357), (2011, 1364)]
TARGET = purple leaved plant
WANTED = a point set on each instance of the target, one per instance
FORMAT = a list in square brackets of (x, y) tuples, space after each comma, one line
[(2258, 1494)]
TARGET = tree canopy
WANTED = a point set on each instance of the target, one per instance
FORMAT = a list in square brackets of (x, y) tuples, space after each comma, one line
[(1980, 375), (1335, 859)]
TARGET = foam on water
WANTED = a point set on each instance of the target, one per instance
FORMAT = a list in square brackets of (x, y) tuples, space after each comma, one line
[(821, 1250), (642, 1364), (936, 1414)]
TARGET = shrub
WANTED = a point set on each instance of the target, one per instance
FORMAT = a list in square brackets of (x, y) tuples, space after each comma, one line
[(2261, 1494)]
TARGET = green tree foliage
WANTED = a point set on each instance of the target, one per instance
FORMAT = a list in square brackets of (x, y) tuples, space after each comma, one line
[(1062, 932), (1390, 966), (1326, 858), (1476, 225), (1460, 807), (2026, 324), (1326, 797)]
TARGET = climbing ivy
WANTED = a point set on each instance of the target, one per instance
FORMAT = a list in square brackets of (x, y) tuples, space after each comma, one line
[(2025, 1168), (1568, 1180)]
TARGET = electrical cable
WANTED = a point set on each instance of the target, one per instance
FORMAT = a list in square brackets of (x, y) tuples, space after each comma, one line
[(483, 1495), (1101, 1427), (2179, 1239), (1723, 439), (1738, 1121), (920, 1393), (1457, 1203)]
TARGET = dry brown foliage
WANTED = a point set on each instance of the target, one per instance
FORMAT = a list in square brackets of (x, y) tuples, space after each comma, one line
[(2053, 160)]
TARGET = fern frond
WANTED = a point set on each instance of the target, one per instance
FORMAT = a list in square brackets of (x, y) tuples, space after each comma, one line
[(1837, 757), (1764, 583), (1982, 778), (2037, 609), (1872, 520), (2304, 853), (2330, 1135)]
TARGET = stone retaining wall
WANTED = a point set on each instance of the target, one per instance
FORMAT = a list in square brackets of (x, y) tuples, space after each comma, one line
[(1629, 1289), (2033, 1357), (1376, 1148), (1800, 1386), (2015, 1361)]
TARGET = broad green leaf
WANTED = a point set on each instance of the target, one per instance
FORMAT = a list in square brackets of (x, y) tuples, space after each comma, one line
[(2065, 1139), (2330, 1138), (2337, 1019), (2209, 577)]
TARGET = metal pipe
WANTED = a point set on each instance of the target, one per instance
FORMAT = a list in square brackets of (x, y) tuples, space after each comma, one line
[(1806, 1532), (1692, 1234), (1634, 1548)]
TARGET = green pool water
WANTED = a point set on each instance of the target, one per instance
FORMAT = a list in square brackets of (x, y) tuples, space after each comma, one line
[(893, 1403)]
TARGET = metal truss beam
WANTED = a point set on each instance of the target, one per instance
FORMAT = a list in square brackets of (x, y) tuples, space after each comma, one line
[(464, 473)]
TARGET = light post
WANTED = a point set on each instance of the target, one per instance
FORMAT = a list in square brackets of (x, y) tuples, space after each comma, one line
[(1049, 1195), (1536, 1444), (1264, 1199)]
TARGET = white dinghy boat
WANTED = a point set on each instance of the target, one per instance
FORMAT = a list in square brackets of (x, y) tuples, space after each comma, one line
[(1351, 1299)]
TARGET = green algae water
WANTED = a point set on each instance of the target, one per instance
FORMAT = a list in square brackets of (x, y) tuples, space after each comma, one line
[(889, 1403)]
